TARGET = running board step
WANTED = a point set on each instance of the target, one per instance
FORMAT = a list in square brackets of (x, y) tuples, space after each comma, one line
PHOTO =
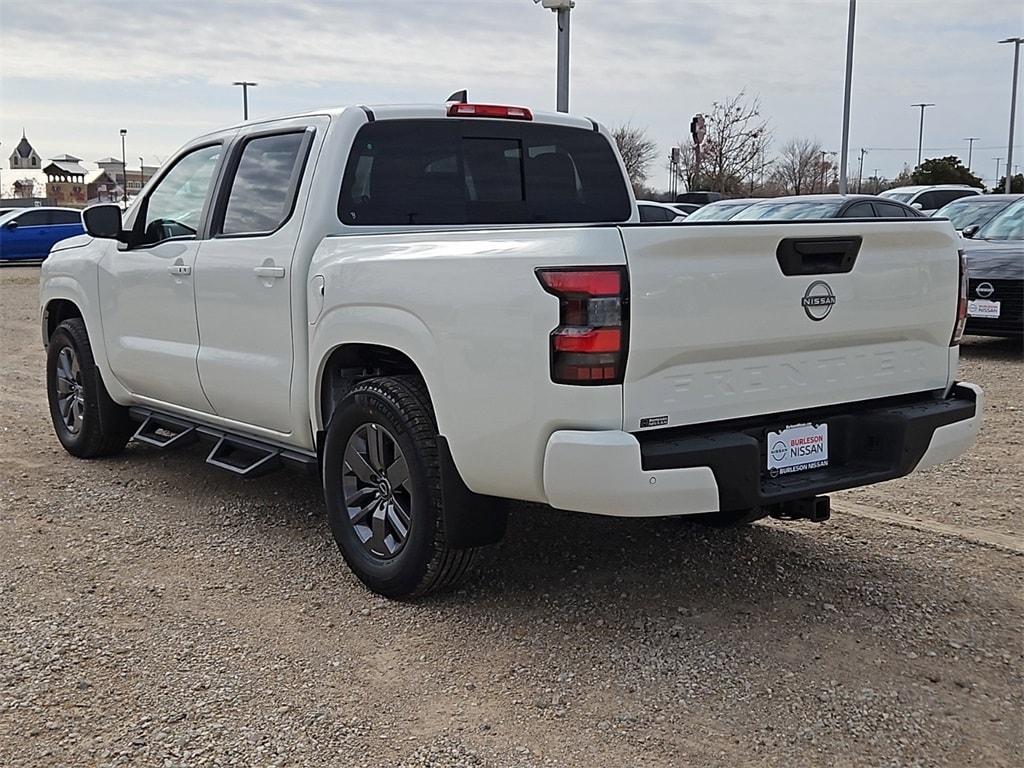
[(244, 457), (165, 432)]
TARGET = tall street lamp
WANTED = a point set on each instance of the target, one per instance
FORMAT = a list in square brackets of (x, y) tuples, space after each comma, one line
[(561, 9), (846, 99), (1013, 107), (970, 149), (998, 160), (246, 85), (124, 172), (920, 132)]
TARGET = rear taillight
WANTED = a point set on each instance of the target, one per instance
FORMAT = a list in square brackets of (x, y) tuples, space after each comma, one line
[(589, 345), (489, 110), (961, 304)]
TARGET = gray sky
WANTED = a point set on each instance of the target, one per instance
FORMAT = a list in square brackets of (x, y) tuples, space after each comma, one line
[(73, 73)]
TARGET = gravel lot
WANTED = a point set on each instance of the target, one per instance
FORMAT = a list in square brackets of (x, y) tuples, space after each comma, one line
[(158, 612)]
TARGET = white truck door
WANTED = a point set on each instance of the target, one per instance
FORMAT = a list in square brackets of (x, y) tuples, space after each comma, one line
[(244, 275), (147, 303)]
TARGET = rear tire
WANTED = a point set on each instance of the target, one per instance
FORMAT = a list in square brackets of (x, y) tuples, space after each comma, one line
[(87, 422), (382, 485)]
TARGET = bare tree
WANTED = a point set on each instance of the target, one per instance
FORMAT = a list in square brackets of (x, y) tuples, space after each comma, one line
[(798, 167), (733, 151), (637, 150)]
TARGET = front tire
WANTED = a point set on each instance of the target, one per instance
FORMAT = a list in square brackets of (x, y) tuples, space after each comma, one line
[(382, 485), (87, 422)]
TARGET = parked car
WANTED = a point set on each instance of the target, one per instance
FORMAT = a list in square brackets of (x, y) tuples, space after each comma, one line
[(928, 199), (995, 266), (969, 214), (477, 315), (825, 207), (651, 211), (722, 210), (30, 233)]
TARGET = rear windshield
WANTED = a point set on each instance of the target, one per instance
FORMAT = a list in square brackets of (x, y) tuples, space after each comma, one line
[(789, 210), (478, 171), (717, 212)]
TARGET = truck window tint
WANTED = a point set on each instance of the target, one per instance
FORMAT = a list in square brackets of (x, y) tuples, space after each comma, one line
[(175, 206), (262, 190), (451, 171)]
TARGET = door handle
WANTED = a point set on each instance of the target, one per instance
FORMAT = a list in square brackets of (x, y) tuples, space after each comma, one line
[(180, 269), (274, 272)]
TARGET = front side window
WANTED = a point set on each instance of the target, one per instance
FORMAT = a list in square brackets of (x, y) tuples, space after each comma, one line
[(263, 187), (175, 206), (466, 171)]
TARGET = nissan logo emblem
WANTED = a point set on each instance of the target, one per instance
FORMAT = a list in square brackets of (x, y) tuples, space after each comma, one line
[(818, 300), (984, 290)]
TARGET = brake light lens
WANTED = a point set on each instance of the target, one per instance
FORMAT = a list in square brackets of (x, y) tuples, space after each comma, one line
[(961, 304), (489, 110), (589, 345)]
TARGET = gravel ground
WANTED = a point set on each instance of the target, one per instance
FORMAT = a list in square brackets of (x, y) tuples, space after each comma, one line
[(160, 613)]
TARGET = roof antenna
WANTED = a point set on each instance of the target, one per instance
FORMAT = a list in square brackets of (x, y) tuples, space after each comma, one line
[(459, 97)]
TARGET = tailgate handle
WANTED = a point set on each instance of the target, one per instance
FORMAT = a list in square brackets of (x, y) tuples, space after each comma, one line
[(817, 255)]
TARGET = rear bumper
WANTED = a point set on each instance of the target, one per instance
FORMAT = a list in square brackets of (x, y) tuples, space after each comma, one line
[(720, 466)]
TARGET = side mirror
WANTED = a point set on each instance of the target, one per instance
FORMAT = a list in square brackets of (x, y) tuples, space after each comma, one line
[(103, 221), (970, 231), (917, 206), (11, 225)]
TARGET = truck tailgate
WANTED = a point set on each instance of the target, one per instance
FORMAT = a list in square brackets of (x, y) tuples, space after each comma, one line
[(718, 331)]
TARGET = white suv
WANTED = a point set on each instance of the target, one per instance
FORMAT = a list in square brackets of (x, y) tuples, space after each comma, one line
[(928, 199)]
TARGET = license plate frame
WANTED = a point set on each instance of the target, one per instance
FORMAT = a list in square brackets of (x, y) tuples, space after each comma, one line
[(984, 309), (796, 448)]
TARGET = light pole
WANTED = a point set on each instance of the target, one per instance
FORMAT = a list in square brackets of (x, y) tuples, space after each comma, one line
[(822, 166), (124, 172), (998, 166), (846, 99), (142, 176), (920, 132), (970, 149), (1013, 107), (561, 9), (246, 85)]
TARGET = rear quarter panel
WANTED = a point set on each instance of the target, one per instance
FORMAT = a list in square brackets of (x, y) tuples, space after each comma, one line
[(467, 308)]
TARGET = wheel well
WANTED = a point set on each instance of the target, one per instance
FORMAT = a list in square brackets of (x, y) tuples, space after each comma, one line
[(351, 363), (57, 311)]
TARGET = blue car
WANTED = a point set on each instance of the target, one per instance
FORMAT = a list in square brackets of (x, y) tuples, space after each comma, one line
[(30, 233)]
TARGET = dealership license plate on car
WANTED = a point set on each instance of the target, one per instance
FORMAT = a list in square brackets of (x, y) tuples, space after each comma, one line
[(797, 448), (983, 308)]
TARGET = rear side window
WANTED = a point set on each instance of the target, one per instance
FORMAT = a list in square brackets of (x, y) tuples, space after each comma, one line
[(262, 190), (890, 211), (860, 211), (65, 217), (452, 171)]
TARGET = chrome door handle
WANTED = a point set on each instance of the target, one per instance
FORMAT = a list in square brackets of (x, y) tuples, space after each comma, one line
[(180, 269), (274, 272)]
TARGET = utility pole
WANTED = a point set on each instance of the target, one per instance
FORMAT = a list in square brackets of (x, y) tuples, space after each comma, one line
[(860, 172), (561, 9), (846, 98), (822, 164), (246, 85), (920, 132), (970, 149), (124, 172), (1013, 107)]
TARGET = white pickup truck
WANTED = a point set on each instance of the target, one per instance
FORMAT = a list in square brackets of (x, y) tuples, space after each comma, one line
[(442, 308)]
